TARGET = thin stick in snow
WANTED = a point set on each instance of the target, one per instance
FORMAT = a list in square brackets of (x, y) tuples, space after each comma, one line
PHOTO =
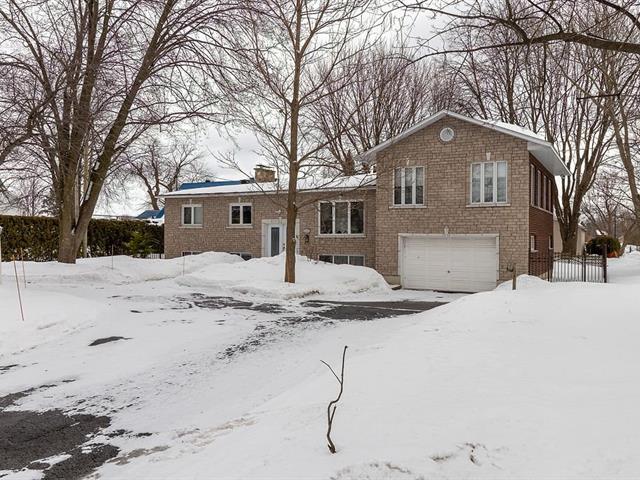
[(334, 403), (24, 275), (111, 257), (15, 269)]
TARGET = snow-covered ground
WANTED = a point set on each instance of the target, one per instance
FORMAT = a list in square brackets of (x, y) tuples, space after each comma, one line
[(537, 383)]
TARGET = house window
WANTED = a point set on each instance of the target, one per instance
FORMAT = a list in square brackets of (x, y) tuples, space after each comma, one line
[(408, 186), (343, 259), (551, 242), (240, 214), (532, 186), (244, 256), (186, 254), (489, 182), (341, 218), (539, 190), (192, 215), (532, 243)]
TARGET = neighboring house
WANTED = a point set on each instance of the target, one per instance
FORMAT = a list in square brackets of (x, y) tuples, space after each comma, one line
[(455, 204), (557, 238), (151, 216)]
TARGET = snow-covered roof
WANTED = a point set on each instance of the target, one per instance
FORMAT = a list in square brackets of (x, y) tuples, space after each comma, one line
[(544, 151), (305, 184)]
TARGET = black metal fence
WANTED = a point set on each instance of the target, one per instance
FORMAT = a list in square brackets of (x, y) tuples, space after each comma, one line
[(561, 267)]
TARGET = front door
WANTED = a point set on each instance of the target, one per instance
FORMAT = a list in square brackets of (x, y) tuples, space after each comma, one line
[(275, 239)]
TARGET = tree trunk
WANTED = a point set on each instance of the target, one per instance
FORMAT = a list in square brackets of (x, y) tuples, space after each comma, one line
[(290, 244), (569, 241), (292, 209), (569, 234), (67, 218)]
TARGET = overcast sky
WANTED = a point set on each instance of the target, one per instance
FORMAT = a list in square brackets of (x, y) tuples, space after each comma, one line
[(242, 143)]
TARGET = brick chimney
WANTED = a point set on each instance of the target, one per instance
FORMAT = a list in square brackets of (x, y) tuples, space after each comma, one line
[(263, 174)]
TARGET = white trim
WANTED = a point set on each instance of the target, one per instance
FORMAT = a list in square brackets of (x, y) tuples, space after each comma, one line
[(414, 186), (333, 219), (192, 206), (283, 223), (495, 201), (241, 205)]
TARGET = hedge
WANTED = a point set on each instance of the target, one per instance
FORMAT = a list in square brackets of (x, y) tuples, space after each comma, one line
[(38, 237), (596, 245)]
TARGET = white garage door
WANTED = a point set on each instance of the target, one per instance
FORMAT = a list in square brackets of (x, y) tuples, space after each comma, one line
[(459, 263)]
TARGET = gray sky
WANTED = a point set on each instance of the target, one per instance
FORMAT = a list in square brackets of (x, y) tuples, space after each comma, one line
[(216, 141)]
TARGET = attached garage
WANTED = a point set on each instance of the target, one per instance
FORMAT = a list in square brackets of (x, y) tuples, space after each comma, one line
[(455, 263)]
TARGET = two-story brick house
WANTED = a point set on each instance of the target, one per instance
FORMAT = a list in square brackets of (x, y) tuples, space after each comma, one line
[(455, 204)]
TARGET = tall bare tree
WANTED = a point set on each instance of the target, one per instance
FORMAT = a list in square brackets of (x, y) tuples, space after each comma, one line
[(107, 70), (389, 93), (162, 166), (607, 206), (542, 88), (537, 22), (289, 55)]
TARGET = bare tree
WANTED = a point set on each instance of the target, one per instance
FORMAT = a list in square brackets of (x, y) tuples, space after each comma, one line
[(388, 94), (163, 166), (20, 110), (608, 207), (106, 71), (529, 22), (333, 404), (297, 54), (621, 98), (542, 88)]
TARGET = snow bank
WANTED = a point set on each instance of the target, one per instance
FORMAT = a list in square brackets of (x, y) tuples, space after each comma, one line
[(625, 269), (536, 383), (48, 316), (263, 277), (115, 270), (525, 282)]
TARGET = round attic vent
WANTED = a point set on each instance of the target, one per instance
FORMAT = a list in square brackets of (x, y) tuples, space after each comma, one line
[(447, 134)]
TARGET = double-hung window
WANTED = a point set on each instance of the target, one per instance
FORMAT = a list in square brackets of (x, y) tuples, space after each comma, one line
[(240, 214), (488, 182), (408, 186), (192, 215), (342, 218)]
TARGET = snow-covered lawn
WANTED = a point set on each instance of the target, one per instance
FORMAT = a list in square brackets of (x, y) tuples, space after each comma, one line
[(537, 383)]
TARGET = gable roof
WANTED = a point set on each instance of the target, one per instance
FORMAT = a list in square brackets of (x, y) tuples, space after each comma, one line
[(537, 146)]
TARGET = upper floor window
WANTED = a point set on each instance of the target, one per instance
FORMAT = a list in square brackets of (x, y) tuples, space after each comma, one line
[(541, 189), (408, 186), (489, 182), (341, 218), (192, 215), (240, 214)]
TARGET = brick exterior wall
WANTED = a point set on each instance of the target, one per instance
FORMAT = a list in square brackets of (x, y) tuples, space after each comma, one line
[(447, 192), (540, 220), (447, 205), (217, 235)]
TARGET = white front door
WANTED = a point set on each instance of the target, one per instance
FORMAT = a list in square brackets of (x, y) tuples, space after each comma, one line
[(275, 239)]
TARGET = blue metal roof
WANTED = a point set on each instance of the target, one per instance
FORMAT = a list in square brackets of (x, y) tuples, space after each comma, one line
[(221, 183), (147, 214)]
